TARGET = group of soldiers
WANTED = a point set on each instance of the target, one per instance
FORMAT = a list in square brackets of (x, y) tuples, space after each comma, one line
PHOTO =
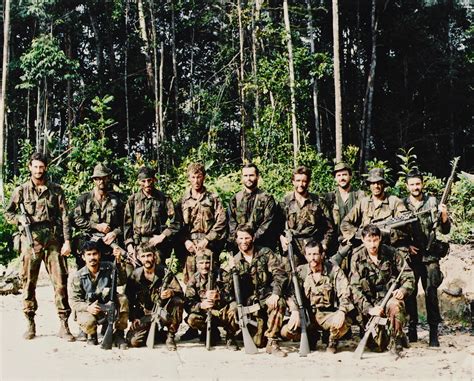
[(345, 263)]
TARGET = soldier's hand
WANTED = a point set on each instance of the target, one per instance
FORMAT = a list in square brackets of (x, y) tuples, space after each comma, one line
[(272, 301), (136, 323), (338, 319), (190, 246), (131, 249), (165, 294), (23, 220), (294, 321), (156, 239), (444, 212), (413, 250), (212, 295), (102, 228), (117, 253), (206, 304), (398, 294), (66, 248), (94, 308), (376, 311), (284, 243), (202, 244), (109, 238)]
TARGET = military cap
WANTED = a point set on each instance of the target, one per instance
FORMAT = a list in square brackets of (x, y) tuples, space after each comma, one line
[(100, 170), (203, 255), (341, 166), (146, 173), (376, 175)]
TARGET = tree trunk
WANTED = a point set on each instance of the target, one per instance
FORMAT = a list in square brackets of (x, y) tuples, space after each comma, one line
[(45, 118), (294, 127), (243, 138), (337, 80), (98, 42), (161, 116), (255, 17), (175, 72), (125, 78), (38, 120), (146, 48)]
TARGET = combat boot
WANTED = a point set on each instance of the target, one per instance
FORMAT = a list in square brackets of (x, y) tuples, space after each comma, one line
[(230, 343), (92, 339), (170, 343), (434, 342), (412, 333), (190, 334), (64, 332), (119, 340), (332, 346), (81, 336), (397, 346), (31, 329), (274, 349)]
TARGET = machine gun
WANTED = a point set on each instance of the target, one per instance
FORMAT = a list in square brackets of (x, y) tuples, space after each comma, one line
[(159, 315), (374, 321), (96, 237), (209, 312), (304, 343), (110, 310), (444, 200), (244, 320), (27, 226)]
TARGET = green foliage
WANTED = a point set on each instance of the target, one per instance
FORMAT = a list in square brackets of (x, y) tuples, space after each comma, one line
[(408, 161), (6, 240), (461, 208)]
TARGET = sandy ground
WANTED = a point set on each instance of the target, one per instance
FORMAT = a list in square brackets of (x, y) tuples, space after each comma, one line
[(50, 358)]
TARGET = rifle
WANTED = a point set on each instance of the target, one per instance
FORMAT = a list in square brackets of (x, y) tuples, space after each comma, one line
[(304, 343), (242, 312), (110, 310), (209, 311), (377, 320), (27, 227), (444, 200), (159, 314), (123, 253)]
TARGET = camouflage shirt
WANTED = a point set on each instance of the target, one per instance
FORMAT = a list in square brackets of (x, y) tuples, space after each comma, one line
[(89, 212), (257, 209), (45, 206), (338, 208), (85, 289), (203, 216), (196, 292), (143, 294), (146, 216), (370, 282)]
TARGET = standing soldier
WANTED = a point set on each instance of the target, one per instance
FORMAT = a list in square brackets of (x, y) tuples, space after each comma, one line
[(153, 286), (204, 219), (304, 215), (374, 267), (98, 215), (261, 278), (150, 217), (425, 263), (46, 217), (91, 288), (252, 206)]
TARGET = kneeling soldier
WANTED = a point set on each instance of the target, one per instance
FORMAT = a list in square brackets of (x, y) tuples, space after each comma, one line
[(153, 288), (91, 288)]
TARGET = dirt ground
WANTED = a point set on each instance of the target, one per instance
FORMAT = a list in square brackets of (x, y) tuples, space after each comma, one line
[(49, 358)]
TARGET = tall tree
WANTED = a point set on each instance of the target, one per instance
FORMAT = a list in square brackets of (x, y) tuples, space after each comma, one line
[(337, 80)]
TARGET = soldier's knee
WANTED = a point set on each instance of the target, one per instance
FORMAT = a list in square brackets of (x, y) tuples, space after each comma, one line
[(195, 321), (87, 322)]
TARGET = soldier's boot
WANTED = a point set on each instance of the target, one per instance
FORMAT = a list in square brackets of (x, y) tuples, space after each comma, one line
[(170, 343), (396, 346), (274, 349), (412, 333), (81, 336), (332, 346), (92, 339), (230, 343), (434, 342), (64, 332), (31, 327), (190, 334), (119, 340)]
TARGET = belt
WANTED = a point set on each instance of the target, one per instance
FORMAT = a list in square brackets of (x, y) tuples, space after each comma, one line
[(198, 235)]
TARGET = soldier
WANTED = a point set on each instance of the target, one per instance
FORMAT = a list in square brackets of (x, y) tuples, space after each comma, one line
[(304, 215), (150, 217), (374, 266), (262, 278), (148, 286), (425, 263), (91, 287), (204, 219), (98, 214), (252, 206), (327, 291), (46, 213), (200, 300)]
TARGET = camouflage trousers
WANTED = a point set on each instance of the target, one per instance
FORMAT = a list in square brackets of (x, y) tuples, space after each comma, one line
[(89, 322), (431, 278), (225, 317), (56, 266), (137, 336), (269, 322)]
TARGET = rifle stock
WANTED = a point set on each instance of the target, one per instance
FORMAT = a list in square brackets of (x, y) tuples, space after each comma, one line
[(27, 227), (111, 312)]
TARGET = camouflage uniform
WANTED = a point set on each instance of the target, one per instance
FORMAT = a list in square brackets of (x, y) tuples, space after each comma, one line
[(203, 218), (425, 264), (47, 209), (147, 216), (85, 290), (260, 279), (306, 222), (370, 282), (143, 294), (257, 209), (224, 311)]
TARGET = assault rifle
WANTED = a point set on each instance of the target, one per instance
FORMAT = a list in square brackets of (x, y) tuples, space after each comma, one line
[(159, 315), (110, 310), (27, 226), (444, 200), (244, 320), (96, 237), (304, 343), (209, 311), (374, 321)]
